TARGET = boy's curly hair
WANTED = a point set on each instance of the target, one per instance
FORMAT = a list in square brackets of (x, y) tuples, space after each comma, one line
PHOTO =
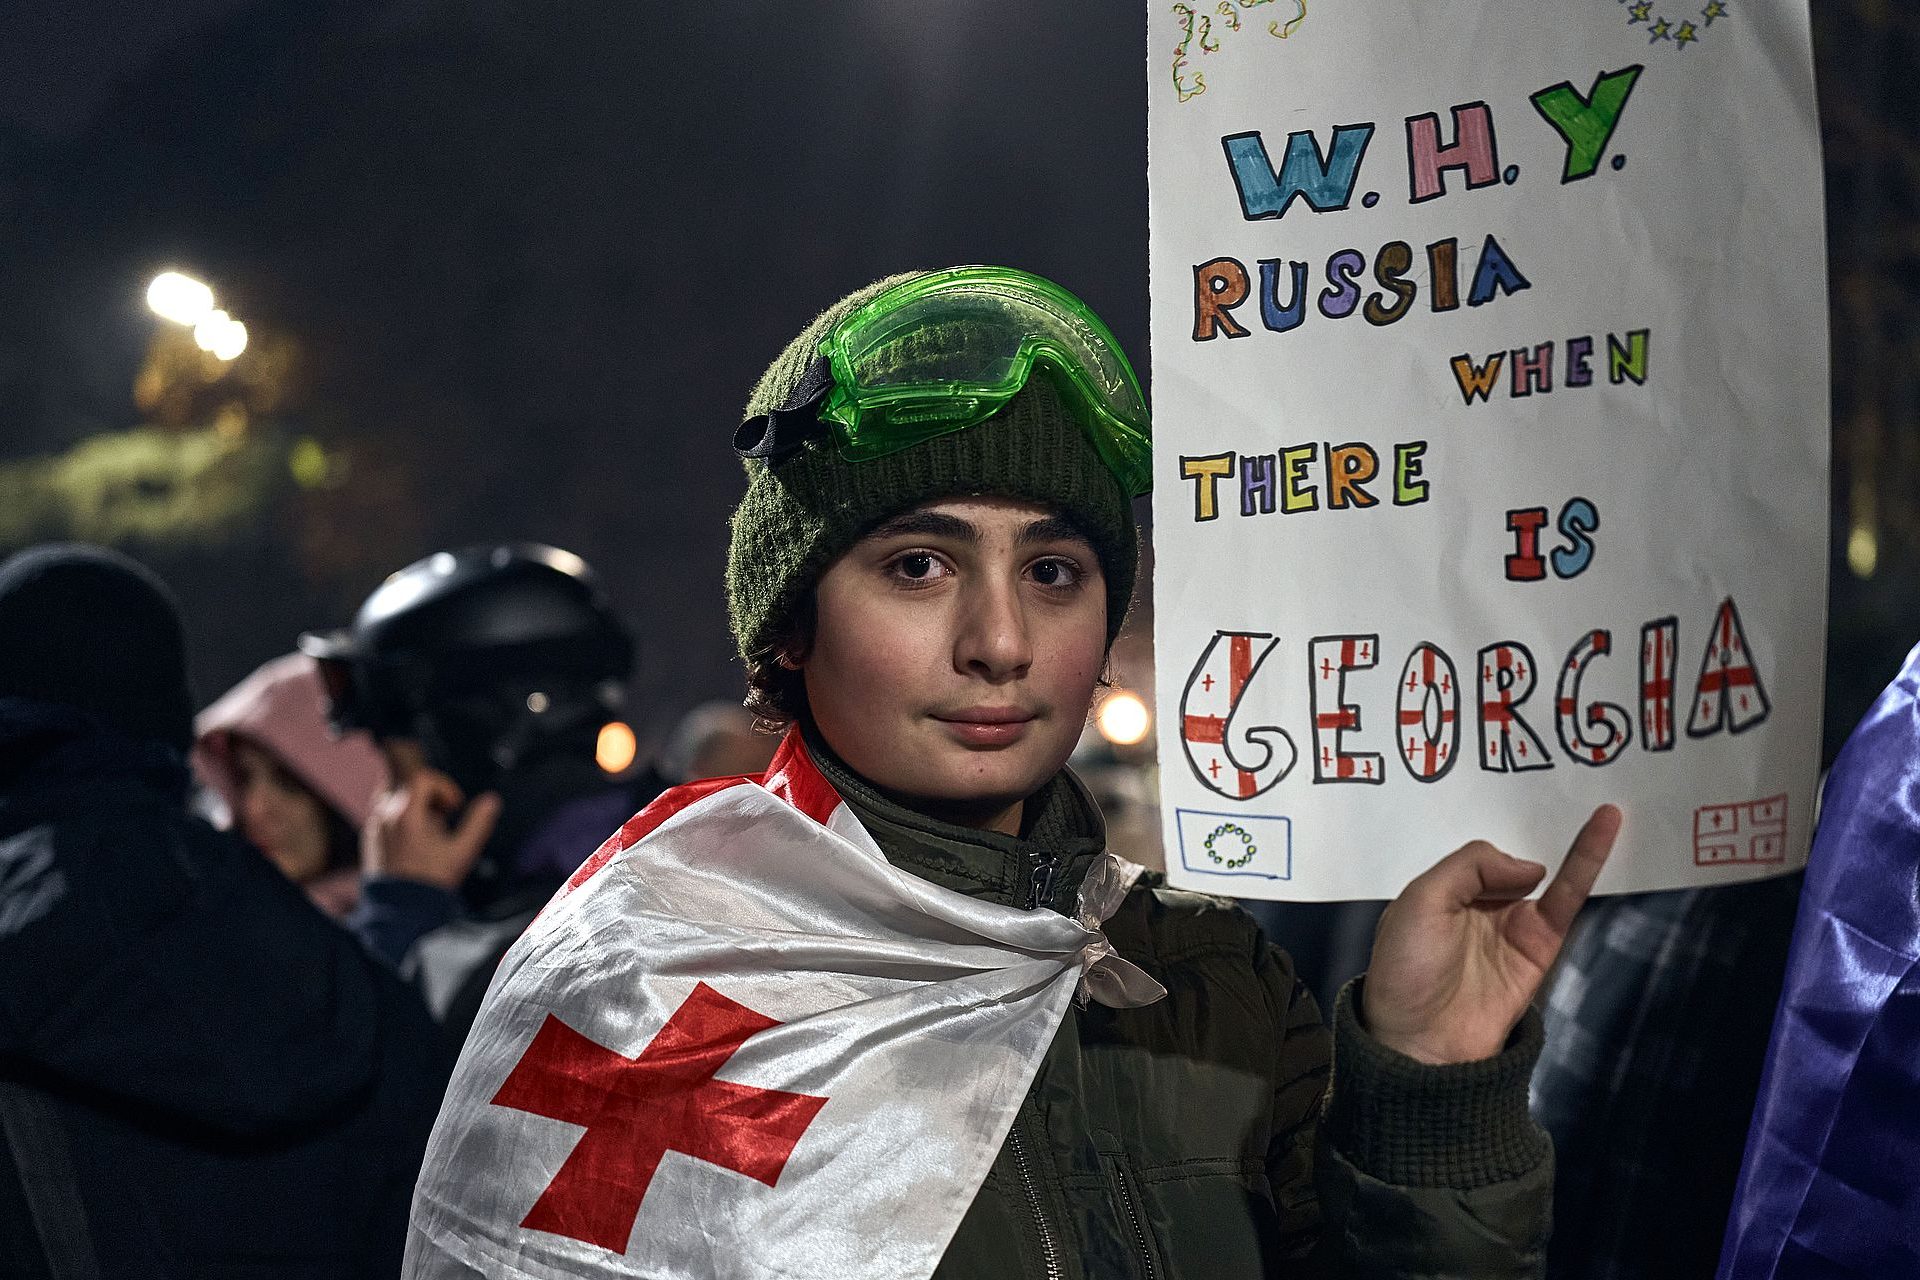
[(777, 692)]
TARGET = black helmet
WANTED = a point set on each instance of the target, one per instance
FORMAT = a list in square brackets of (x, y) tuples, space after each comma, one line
[(492, 657)]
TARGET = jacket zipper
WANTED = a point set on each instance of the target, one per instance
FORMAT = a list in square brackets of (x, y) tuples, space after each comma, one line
[(1133, 1219), (1049, 1251), (1040, 884)]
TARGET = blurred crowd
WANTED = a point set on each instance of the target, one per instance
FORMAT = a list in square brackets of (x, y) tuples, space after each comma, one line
[(258, 935)]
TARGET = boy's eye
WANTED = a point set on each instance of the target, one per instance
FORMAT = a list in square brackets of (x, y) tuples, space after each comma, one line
[(919, 566), (1056, 573)]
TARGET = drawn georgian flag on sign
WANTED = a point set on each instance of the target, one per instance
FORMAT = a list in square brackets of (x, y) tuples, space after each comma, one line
[(739, 1045), (1227, 757), (1755, 831)]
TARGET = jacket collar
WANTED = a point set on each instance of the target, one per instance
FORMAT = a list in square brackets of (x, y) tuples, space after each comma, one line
[(1062, 835)]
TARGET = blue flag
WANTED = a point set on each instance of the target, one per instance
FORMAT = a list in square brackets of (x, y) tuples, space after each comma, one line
[(1831, 1183)]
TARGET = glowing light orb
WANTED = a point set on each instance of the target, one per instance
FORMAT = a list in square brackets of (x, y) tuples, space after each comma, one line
[(1124, 719), (617, 746), (178, 298), (221, 335), (1863, 551)]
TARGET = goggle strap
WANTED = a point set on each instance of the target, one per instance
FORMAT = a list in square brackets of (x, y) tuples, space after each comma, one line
[(783, 430)]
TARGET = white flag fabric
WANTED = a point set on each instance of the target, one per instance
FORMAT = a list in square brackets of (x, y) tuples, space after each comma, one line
[(740, 1043)]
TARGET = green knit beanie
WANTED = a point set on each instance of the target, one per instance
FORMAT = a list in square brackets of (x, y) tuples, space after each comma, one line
[(802, 511)]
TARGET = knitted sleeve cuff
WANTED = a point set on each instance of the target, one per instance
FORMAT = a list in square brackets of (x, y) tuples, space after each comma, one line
[(1406, 1122)]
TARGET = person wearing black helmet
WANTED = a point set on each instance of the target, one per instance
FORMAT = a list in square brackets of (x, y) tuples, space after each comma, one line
[(486, 675)]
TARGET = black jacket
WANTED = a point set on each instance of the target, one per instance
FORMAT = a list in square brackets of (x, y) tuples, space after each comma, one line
[(1223, 1131), (200, 1075)]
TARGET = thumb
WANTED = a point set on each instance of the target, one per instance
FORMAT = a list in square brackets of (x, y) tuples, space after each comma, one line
[(1474, 872), (477, 823), (1505, 876)]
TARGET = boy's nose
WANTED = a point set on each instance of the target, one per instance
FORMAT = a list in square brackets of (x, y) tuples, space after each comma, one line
[(993, 640)]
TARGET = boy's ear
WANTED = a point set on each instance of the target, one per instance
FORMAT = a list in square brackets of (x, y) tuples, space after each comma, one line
[(786, 661)]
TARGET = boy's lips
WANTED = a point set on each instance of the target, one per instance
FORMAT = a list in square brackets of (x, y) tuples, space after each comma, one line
[(985, 715), (986, 726)]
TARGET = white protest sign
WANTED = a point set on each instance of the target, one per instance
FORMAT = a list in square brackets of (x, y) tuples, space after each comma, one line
[(1490, 410)]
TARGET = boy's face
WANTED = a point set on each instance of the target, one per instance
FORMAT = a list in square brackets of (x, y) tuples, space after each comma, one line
[(956, 649)]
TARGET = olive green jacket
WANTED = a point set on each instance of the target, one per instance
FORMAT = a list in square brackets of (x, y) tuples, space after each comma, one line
[(1224, 1131)]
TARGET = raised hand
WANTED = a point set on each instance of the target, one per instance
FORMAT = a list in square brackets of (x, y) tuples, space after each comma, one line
[(1461, 952), (409, 837)]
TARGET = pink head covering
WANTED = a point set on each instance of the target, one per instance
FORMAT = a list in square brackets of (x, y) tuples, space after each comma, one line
[(282, 708)]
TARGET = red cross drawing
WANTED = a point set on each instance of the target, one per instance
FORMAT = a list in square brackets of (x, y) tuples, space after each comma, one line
[(1656, 688), (1433, 749), (1352, 653), (1212, 730), (635, 1110), (1498, 709), (1755, 831), (1734, 669), (1596, 642)]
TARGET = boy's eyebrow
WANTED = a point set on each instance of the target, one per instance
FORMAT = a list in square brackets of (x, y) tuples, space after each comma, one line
[(927, 524), (1052, 529), (938, 524)]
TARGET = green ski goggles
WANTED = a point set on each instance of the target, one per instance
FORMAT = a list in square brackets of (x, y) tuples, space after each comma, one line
[(945, 351)]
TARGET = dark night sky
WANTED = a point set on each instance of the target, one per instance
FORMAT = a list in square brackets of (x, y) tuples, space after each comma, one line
[(59, 59), (534, 255)]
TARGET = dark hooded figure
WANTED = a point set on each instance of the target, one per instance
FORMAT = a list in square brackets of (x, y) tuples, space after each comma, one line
[(200, 1075)]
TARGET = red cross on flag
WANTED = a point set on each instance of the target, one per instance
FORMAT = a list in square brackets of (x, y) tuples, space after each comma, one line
[(636, 1110), (740, 1044)]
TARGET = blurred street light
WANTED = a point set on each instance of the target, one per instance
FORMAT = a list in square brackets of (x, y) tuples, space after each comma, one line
[(1123, 719), (616, 748), (186, 301), (1863, 550), (221, 335), (178, 298)]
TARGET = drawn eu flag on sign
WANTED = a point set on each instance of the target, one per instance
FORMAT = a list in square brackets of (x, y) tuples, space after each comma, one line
[(1236, 844)]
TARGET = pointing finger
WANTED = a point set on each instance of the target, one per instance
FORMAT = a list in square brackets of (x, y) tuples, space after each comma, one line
[(1569, 890)]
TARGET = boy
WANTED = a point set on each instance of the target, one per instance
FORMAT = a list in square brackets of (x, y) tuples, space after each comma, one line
[(831, 1014)]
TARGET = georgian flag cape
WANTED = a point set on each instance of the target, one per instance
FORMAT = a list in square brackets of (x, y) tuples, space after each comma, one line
[(740, 1044)]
